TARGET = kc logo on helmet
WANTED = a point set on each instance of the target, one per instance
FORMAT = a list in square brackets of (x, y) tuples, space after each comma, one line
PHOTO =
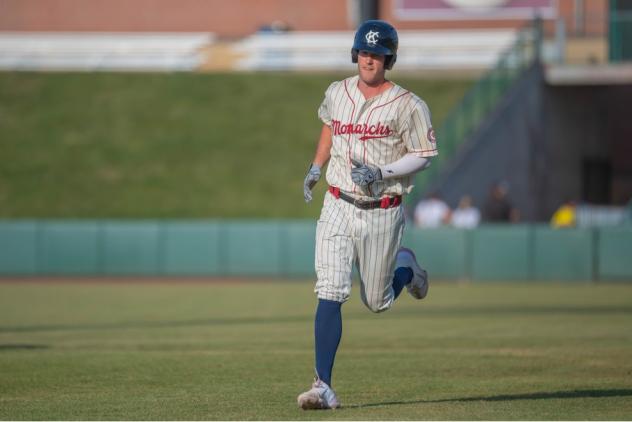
[(372, 37)]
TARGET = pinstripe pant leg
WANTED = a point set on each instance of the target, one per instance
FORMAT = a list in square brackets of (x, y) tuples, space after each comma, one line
[(335, 250), (377, 244)]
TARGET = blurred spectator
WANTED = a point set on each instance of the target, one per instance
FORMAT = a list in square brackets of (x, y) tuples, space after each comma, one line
[(432, 212), (466, 216), (498, 207), (565, 216)]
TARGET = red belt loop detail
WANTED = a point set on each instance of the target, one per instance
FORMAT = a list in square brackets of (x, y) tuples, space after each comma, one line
[(386, 202), (335, 191)]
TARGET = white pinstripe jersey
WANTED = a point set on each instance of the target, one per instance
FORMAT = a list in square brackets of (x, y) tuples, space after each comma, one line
[(376, 131)]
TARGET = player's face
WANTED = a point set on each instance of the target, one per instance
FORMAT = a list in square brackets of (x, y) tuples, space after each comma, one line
[(371, 67)]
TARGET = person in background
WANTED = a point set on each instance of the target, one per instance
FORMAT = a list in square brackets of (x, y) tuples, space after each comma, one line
[(498, 208), (432, 212), (466, 216), (565, 216)]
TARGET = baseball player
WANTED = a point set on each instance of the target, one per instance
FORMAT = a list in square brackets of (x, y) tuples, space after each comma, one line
[(376, 135)]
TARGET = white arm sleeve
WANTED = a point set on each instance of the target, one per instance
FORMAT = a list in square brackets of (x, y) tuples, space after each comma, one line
[(408, 164)]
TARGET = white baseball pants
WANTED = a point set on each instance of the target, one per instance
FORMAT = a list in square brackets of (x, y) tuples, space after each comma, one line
[(346, 235)]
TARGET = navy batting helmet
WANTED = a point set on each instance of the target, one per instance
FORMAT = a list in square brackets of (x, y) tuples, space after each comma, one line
[(377, 37)]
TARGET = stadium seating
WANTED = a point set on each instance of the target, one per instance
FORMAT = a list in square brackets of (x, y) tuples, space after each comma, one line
[(102, 51), (431, 49), (419, 50)]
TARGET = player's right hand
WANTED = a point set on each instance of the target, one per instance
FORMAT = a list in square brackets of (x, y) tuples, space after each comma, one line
[(311, 178), (364, 175)]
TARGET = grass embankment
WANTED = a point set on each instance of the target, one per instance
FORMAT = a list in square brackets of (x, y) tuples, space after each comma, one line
[(99, 145)]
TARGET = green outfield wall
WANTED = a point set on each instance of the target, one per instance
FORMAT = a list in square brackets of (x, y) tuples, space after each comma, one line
[(286, 249)]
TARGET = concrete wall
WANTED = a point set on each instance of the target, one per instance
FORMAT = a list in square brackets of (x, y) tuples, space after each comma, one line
[(584, 122), (538, 139), (504, 148)]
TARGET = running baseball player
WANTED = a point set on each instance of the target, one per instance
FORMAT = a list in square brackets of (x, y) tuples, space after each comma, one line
[(376, 135)]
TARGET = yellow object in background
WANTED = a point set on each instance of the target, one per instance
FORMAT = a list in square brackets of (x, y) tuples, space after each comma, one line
[(564, 216)]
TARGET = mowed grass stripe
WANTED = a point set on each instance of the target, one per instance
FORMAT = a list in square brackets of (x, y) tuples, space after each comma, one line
[(518, 351), (114, 145)]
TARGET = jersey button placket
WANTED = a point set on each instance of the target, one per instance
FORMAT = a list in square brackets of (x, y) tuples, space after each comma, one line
[(355, 142)]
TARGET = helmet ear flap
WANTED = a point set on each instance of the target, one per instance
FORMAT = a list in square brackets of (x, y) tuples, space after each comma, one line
[(389, 62), (354, 55)]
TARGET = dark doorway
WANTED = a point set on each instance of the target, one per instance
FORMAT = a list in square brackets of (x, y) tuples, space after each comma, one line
[(596, 181)]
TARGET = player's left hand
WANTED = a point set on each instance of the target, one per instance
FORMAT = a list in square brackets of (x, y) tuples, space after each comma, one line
[(363, 174)]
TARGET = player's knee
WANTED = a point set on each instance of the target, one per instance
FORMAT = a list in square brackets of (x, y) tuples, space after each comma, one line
[(378, 310), (378, 306)]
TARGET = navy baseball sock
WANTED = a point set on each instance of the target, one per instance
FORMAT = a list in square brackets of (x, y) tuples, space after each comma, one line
[(327, 331), (403, 276)]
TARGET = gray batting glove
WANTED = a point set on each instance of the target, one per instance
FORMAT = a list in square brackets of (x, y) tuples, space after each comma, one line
[(311, 178), (363, 174)]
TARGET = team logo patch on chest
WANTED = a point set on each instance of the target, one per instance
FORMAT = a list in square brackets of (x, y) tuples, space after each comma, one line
[(366, 131)]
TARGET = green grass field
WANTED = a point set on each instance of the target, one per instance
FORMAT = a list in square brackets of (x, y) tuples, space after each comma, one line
[(243, 350), (113, 145)]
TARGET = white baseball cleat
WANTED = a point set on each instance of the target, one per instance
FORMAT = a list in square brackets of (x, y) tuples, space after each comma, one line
[(321, 396), (418, 287)]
